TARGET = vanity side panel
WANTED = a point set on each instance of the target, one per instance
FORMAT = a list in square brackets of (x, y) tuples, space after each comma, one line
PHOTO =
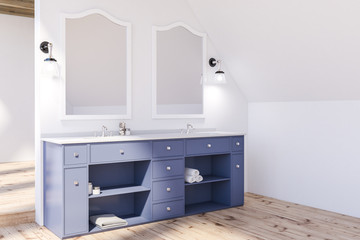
[(53, 188)]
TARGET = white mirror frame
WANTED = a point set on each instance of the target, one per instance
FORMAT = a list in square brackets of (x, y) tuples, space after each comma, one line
[(156, 29), (128, 66)]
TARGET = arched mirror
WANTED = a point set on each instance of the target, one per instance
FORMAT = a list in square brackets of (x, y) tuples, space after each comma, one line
[(97, 66), (179, 57)]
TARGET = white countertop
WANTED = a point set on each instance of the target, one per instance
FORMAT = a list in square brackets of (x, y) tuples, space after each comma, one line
[(138, 137)]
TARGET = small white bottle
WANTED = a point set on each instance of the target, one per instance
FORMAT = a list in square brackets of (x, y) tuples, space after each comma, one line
[(90, 188)]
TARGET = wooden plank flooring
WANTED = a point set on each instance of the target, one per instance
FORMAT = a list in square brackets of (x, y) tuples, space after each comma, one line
[(261, 218), (17, 193)]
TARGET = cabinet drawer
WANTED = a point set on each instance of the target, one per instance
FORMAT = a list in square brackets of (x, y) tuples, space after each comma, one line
[(207, 146), (75, 154), (237, 144), (110, 152), (170, 168), (168, 210), (168, 148), (163, 190)]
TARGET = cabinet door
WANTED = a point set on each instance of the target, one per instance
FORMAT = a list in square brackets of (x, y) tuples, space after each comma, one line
[(76, 197), (237, 179)]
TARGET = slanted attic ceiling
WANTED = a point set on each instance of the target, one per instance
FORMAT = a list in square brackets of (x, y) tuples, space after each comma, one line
[(281, 50)]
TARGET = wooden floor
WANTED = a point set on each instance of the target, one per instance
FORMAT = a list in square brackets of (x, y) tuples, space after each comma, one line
[(17, 193), (260, 218)]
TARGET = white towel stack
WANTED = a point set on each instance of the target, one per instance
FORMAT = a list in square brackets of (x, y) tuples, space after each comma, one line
[(106, 221), (192, 175)]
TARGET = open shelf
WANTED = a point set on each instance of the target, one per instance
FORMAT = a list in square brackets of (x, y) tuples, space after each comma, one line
[(209, 179), (131, 219), (120, 178), (133, 207), (119, 190), (214, 166), (212, 195), (203, 207)]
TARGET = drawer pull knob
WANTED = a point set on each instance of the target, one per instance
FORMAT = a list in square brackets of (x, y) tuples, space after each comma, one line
[(76, 183), (122, 152), (168, 148), (237, 166), (237, 143), (168, 189), (168, 168), (76, 155), (209, 145), (168, 209)]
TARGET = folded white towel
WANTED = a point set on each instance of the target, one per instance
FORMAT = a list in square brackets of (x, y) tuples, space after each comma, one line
[(106, 221), (199, 178), (190, 178), (191, 171)]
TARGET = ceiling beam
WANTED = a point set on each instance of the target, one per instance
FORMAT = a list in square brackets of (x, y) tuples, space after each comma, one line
[(23, 8)]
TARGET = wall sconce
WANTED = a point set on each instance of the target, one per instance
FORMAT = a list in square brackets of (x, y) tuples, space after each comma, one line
[(219, 74), (50, 68)]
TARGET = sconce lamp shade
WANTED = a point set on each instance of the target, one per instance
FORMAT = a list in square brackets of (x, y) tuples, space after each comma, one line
[(219, 74), (50, 69)]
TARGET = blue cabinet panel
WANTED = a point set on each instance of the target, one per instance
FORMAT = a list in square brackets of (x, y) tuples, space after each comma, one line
[(168, 210), (237, 144), (140, 181), (169, 148), (112, 152), (76, 198), (168, 168), (237, 179), (164, 190), (75, 154), (203, 146)]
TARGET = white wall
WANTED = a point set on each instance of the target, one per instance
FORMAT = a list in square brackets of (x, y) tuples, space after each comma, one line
[(16, 88), (307, 153), (225, 107)]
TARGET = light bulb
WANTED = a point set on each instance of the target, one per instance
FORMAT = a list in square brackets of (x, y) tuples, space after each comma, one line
[(220, 77)]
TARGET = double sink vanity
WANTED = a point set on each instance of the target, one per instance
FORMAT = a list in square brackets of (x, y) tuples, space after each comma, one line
[(141, 178)]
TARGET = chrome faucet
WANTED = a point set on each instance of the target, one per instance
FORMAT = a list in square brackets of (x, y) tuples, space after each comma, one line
[(189, 127), (104, 130)]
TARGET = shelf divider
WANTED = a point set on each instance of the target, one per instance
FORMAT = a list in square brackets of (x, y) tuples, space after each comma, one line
[(120, 190), (209, 179)]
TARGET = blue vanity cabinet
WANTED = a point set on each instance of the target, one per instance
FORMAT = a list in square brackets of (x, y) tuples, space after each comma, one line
[(140, 181)]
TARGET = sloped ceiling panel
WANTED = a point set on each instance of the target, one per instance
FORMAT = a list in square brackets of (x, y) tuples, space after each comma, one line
[(281, 50)]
